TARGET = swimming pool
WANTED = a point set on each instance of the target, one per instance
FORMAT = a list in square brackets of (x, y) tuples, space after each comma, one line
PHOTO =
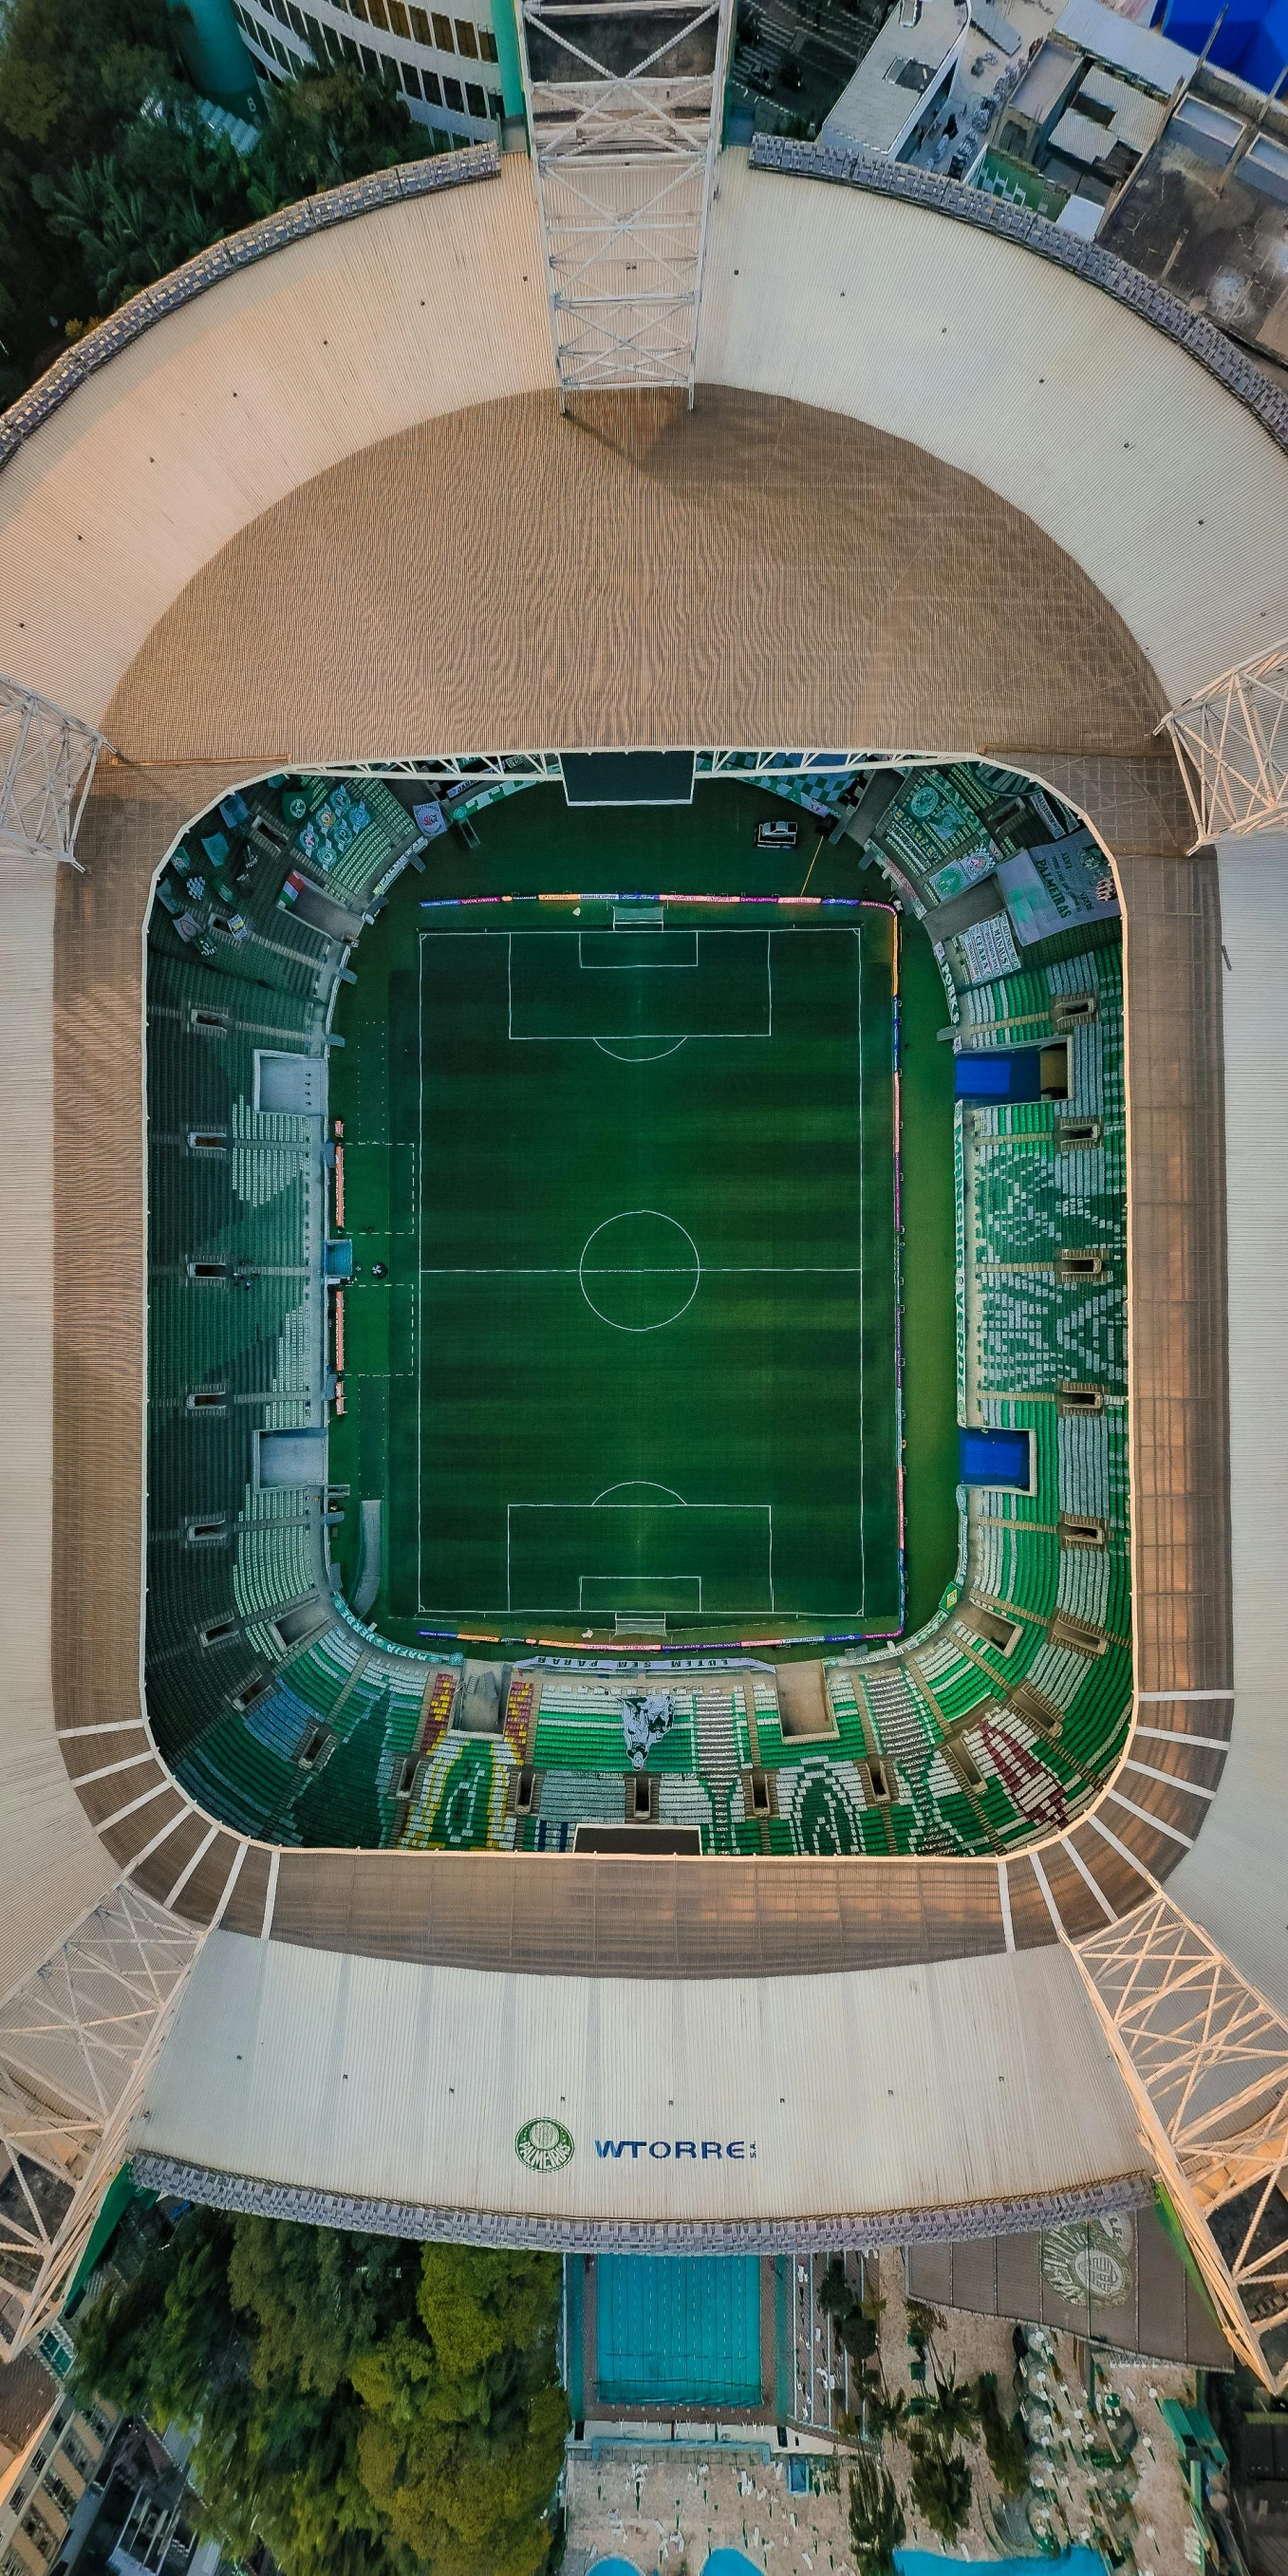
[(677, 2330), (926, 2562)]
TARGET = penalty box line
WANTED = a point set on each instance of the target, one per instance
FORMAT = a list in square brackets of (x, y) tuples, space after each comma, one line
[(638, 965), (620, 1037), (620, 1583), (549, 1611)]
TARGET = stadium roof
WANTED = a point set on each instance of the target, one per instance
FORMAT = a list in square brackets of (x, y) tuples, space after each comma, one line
[(938, 494), (845, 2099)]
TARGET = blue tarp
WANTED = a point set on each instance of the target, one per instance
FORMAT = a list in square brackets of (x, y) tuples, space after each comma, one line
[(998, 1074), (994, 1457), (1252, 39)]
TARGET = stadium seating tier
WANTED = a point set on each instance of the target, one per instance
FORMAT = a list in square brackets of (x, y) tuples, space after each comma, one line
[(286, 1716)]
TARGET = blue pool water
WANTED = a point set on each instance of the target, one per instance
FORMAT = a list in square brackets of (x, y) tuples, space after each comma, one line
[(677, 2330), (910, 2562), (927, 2562)]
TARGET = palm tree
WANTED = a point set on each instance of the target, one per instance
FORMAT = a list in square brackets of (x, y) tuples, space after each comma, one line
[(952, 2413), (1003, 2440), (877, 2520), (855, 2318), (887, 2412), (941, 2490)]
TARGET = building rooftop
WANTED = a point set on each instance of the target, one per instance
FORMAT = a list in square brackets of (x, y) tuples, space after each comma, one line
[(878, 109), (880, 99), (1151, 60), (1125, 118), (1207, 215)]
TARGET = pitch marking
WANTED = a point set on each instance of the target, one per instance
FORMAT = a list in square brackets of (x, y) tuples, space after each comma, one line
[(639, 1271)]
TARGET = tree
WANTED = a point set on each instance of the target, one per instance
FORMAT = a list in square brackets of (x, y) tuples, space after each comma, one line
[(325, 127), (69, 69), (318, 2298), (877, 2521), (358, 2403), (941, 2489), (887, 2412), (1004, 2441), (169, 188), (952, 2414), (110, 177), (464, 2470), (166, 2340), (854, 2316), (70, 72), (924, 2321)]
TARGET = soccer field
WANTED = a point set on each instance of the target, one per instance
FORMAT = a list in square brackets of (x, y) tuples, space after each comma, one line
[(639, 1329)]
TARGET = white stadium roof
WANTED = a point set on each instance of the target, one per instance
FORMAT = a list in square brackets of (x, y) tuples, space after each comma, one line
[(311, 2067)]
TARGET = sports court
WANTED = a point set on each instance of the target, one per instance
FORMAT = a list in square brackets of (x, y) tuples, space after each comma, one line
[(641, 1306)]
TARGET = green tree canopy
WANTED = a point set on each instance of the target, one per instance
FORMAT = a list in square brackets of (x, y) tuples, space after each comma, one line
[(941, 2490), (325, 127), (952, 2414), (70, 68), (168, 189), (877, 2521), (110, 176), (887, 2412), (855, 2316), (358, 2402), (1004, 2441)]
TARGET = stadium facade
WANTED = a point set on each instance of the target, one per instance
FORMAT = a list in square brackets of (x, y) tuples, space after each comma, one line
[(947, 494)]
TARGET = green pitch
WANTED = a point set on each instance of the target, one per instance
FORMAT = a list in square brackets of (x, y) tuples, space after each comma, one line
[(635, 1189)]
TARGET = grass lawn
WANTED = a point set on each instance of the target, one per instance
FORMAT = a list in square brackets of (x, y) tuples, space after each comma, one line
[(634, 1191)]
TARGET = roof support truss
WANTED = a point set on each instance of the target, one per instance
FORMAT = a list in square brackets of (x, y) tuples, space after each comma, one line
[(78, 2039), (1232, 744), (445, 772), (46, 763), (1205, 2058), (625, 99)]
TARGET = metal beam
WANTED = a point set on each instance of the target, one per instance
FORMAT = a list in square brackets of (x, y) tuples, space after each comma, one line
[(625, 100), (1232, 744), (78, 2040), (46, 763), (1205, 2058), (536, 768)]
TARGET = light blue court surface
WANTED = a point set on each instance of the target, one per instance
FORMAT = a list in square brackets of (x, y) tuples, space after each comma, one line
[(677, 2330), (927, 2562)]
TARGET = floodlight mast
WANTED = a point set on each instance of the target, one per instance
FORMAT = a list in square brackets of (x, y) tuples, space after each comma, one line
[(625, 102)]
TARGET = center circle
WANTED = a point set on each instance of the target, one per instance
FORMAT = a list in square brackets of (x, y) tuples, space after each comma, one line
[(639, 1271)]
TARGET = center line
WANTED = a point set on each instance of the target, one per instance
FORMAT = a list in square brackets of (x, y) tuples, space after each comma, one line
[(710, 1270)]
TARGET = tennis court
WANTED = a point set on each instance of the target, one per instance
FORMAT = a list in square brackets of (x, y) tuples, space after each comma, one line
[(639, 1183)]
